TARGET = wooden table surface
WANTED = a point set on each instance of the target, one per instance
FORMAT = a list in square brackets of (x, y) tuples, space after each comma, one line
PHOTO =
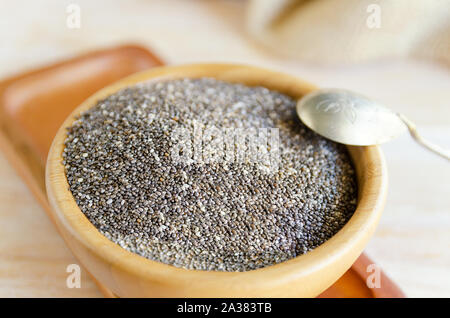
[(412, 243)]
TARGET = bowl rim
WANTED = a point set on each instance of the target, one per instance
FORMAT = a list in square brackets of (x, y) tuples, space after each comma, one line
[(348, 241)]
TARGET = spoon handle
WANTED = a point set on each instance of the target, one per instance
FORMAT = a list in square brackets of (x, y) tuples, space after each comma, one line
[(430, 146)]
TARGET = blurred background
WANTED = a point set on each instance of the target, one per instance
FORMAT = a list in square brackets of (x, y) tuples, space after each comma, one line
[(397, 52)]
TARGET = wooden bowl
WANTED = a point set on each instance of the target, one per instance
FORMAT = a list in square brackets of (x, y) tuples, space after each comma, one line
[(128, 275)]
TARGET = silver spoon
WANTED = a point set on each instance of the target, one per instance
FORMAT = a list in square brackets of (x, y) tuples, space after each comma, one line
[(350, 118)]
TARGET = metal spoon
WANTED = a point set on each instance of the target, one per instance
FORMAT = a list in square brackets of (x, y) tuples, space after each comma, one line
[(350, 118)]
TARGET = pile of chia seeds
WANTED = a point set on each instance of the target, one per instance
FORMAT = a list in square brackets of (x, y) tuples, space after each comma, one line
[(224, 216)]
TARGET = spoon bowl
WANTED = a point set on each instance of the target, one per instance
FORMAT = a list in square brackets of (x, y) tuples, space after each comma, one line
[(349, 118)]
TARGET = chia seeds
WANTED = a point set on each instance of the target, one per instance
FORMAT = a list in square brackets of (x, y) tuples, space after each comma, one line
[(207, 216)]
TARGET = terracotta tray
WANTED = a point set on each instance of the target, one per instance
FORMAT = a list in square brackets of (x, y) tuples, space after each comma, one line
[(33, 106)]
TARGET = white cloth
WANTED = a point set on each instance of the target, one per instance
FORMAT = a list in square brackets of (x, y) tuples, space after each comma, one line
[(346, 31)]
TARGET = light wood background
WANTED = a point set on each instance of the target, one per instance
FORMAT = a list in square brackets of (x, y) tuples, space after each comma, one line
[(412, 243)]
